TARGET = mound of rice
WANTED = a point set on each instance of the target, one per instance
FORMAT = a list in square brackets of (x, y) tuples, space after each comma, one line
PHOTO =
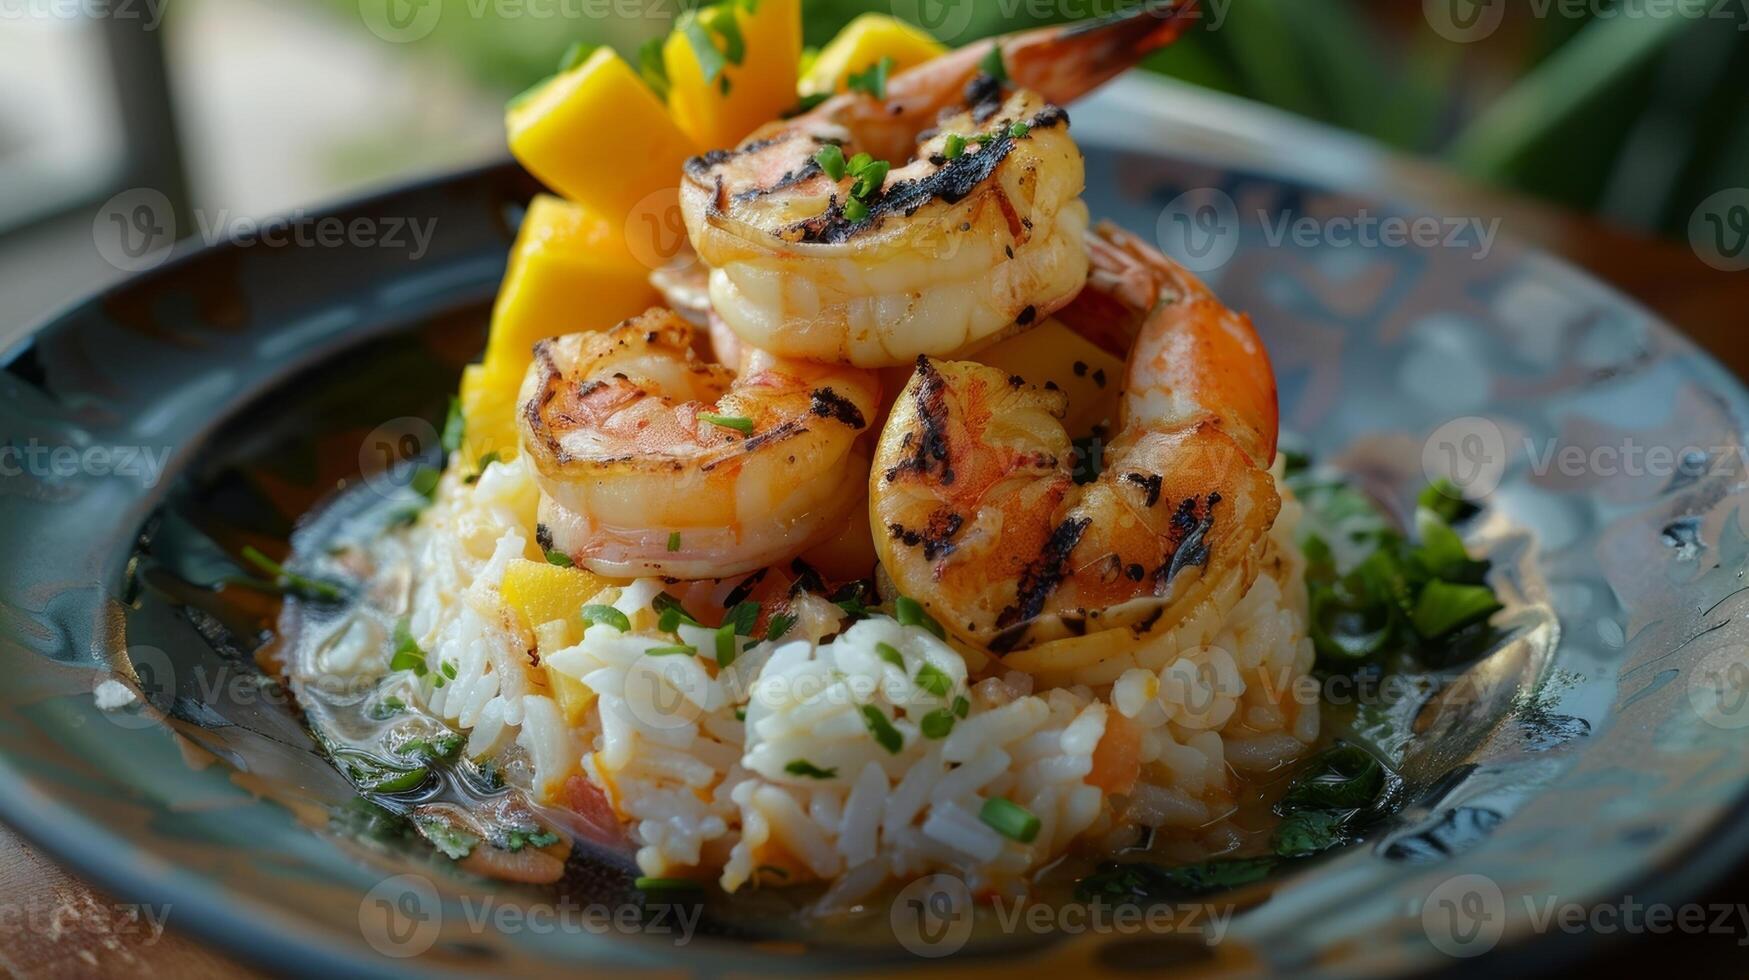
[(848, 753)]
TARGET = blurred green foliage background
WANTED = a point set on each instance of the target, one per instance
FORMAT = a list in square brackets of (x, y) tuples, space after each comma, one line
[(1599, 105)]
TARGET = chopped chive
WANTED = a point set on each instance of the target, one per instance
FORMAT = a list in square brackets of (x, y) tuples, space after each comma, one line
[(873, 81), (448, 670), (778, 626), (931, 679), (993, 65), (802, 767), (677, 650), (855, 210), (424, 481), (671, 613), (302, 586), (1019, 130), (956, 146), (560, 559), (727, 650), (652, 68), (674, 541), (454, 426), (910, 612), (831, 160), (883, 731), (408, 654), (962, 706), (736, 422), (890, 654), (665, 885), (740, 714), (607, 616), (743, 617), (937, 724), (1009, 819)]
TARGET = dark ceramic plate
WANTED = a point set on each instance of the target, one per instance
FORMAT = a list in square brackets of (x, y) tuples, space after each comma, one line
[(1596, 754)]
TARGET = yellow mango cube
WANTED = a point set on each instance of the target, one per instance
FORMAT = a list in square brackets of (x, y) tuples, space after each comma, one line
[(719, 110), (488, 403), (599, 136), (574, 696), (540, 592), (1051, 352), (864, 42), (570, 271)]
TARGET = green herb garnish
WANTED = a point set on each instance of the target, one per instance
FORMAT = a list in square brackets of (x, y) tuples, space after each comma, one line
[(652, 69), (831, 160), (454, 426), (673, 541), (675, 650), (743, 617), (408, 654), (736, 422), (994, 65), (727, 648), (873, 80), (891, 654), (910, 612), (932, 680), (291, 583), (778, 626), (955, 148), (937, 724), (560, 559), (607, 616), (882, 729), (807, 770), (1010, 819), (670, 613)]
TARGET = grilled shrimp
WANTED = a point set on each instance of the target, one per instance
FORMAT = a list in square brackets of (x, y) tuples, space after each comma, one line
[(976, 512), (653, 461), (975, 232)]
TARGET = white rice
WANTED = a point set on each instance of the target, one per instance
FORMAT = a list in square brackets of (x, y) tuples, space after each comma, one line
[(767, 772)]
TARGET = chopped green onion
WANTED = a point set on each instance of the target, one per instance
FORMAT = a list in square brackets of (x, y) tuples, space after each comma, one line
[(665, 885), (670, 613), (937, 724), (962, 706), (1445, 608), (910, 612), (993, 65), (806, 769), (743, 617), (607, 616), (526, 837), (891, 654), (652, 67), (956, 146), (870, 179), (560, 559), (454, 426), (408, 654), (448, 670), (425, 480), (855, 210), (778, 626), (676, 650), (831, 160), (302, 586), (931, 679), (1009, 819), (882, 729), (1446, 499), (873, 81), (1019, 130), (736, 422), (674, 541), (727, 649)]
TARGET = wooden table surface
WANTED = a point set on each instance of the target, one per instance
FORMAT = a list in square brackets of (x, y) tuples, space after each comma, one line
[(72, 931)]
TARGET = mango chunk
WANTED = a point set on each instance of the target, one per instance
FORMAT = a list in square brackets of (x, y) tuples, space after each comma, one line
[(746, 77), (1051, 352), (574, 696), (571, 270), (864, 42), (540, 592), (488, 402), (599, 136)]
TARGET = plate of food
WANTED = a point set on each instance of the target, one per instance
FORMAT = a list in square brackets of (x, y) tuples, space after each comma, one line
[(913, 510)]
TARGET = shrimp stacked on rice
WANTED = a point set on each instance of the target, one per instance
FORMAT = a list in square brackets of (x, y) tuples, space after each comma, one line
[(1040, 660)]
